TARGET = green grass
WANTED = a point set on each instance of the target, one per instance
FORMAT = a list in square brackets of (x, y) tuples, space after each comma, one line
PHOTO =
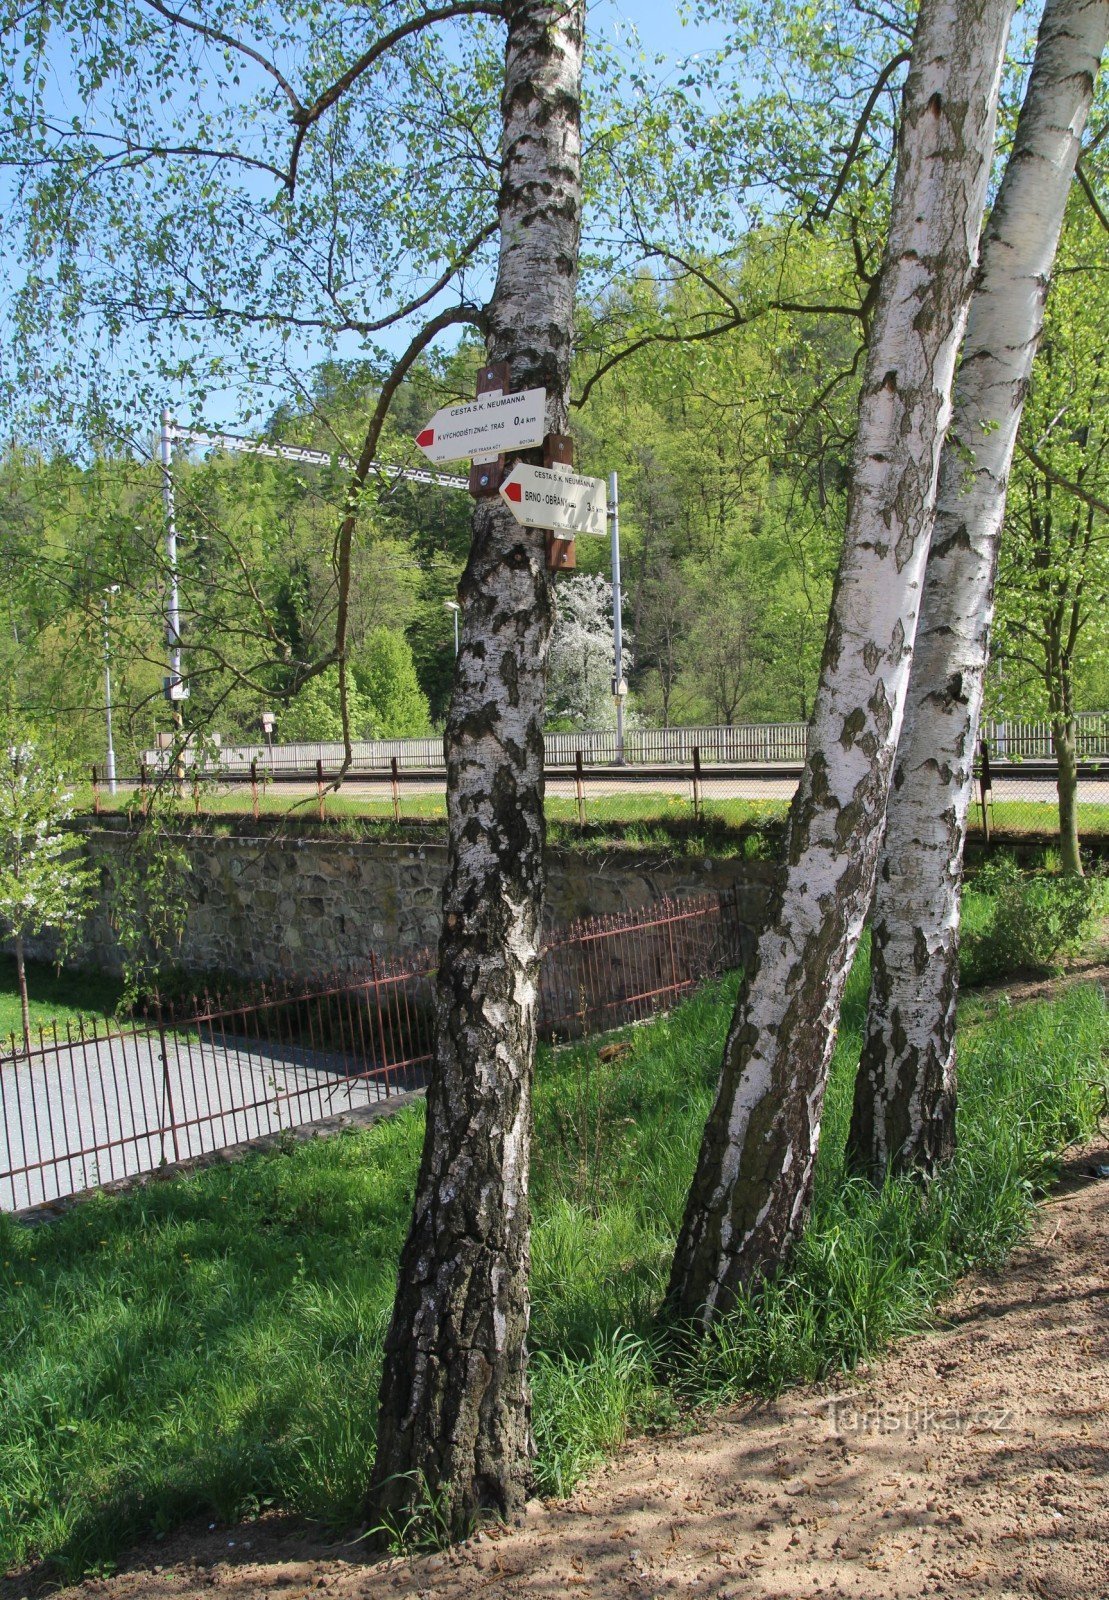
[(1038, 817), (211, 1345), (60, 997), (644, 818), (628, 807)]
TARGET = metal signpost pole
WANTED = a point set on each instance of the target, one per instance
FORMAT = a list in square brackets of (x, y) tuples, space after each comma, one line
[(619, 688), (173, 605), (111, 762)]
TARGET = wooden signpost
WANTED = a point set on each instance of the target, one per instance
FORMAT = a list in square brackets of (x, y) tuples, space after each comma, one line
[(552, 496)]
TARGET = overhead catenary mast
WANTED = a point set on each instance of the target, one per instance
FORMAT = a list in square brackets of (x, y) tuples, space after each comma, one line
[(177, 689)]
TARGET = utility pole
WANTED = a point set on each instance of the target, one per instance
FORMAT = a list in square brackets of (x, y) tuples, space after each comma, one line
[(619, 687), (453, 606), (111, 762), (174, 684)]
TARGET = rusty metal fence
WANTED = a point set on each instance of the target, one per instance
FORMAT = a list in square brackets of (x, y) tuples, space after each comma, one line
[(87, 1105)]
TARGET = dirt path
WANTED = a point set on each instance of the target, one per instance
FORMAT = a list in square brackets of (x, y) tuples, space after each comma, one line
[(974, 1462)]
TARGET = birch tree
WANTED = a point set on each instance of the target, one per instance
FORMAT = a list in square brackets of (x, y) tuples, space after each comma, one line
[(752, 1187), (904, 1109), (1052, 618), (454, 1412)]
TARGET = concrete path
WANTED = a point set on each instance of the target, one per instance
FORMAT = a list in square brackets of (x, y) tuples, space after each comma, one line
[(74, 1116)]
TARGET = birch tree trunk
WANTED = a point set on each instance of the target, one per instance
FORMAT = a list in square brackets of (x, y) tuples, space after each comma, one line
[(751, 1192), (454, 1413), (904, 1110)]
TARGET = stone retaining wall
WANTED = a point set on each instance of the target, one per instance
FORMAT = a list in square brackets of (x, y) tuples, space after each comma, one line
[(264, 907)]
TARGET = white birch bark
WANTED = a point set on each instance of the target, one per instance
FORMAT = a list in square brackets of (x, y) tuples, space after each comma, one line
[(454, 1413), (904, 1112), (751, 1192)]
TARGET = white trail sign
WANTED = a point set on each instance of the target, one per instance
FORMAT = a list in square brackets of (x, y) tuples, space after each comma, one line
[(555, 498), (486, 426)]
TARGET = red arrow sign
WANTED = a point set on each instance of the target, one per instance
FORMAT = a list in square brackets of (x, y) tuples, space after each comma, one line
[(513, 491), (426, 438)]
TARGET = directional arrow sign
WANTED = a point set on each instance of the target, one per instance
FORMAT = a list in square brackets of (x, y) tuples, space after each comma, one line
[(552, 497), (486, 426)]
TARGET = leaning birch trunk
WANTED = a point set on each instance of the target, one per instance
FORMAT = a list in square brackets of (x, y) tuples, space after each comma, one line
[(454, 1414), (751, 1192), (904, 1110)]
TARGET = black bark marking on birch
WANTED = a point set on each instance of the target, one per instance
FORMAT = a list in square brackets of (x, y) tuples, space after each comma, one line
[(856, 721)]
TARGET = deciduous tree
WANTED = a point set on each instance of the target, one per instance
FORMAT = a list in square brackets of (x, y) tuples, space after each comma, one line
[(454, 1414), (904, 1107), (752, 1188), (45, 882)]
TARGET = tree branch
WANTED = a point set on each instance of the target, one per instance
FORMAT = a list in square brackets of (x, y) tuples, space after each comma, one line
[(1088, 191), (451, 317), (884, 76), (1052, 476), (217, 36), (305, 116)]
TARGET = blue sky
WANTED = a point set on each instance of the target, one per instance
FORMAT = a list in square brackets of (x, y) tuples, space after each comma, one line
[(654, 28)]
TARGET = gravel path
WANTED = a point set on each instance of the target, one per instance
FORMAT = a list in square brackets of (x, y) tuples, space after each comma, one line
[(974, 1462)]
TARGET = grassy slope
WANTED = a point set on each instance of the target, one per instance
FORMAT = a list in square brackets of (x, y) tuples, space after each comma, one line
[(211, 1345), (55, 997), (640, 805)]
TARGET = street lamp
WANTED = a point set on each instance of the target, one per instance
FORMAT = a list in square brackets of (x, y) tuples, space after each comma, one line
[(112, 588), (453, 605)]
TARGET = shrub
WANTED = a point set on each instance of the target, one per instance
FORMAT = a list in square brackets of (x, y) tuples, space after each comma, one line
[(1032, 918)]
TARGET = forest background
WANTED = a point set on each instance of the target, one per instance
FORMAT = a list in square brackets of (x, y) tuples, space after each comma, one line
[(719, 382)]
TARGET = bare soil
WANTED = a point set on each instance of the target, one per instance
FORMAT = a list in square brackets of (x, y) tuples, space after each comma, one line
[(973, 1462)]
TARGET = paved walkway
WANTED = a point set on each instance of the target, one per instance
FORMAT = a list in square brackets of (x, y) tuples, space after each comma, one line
[(73, 1116)]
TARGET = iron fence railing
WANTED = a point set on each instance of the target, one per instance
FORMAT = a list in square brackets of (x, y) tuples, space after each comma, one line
[(743, 744), (89, 1104)]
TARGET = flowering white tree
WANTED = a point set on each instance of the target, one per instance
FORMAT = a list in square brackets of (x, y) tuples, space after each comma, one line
[(44, 881), (579, 685)]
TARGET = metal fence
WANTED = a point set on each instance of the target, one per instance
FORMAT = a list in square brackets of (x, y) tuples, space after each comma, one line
[(741, 744), (91, 1104)]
